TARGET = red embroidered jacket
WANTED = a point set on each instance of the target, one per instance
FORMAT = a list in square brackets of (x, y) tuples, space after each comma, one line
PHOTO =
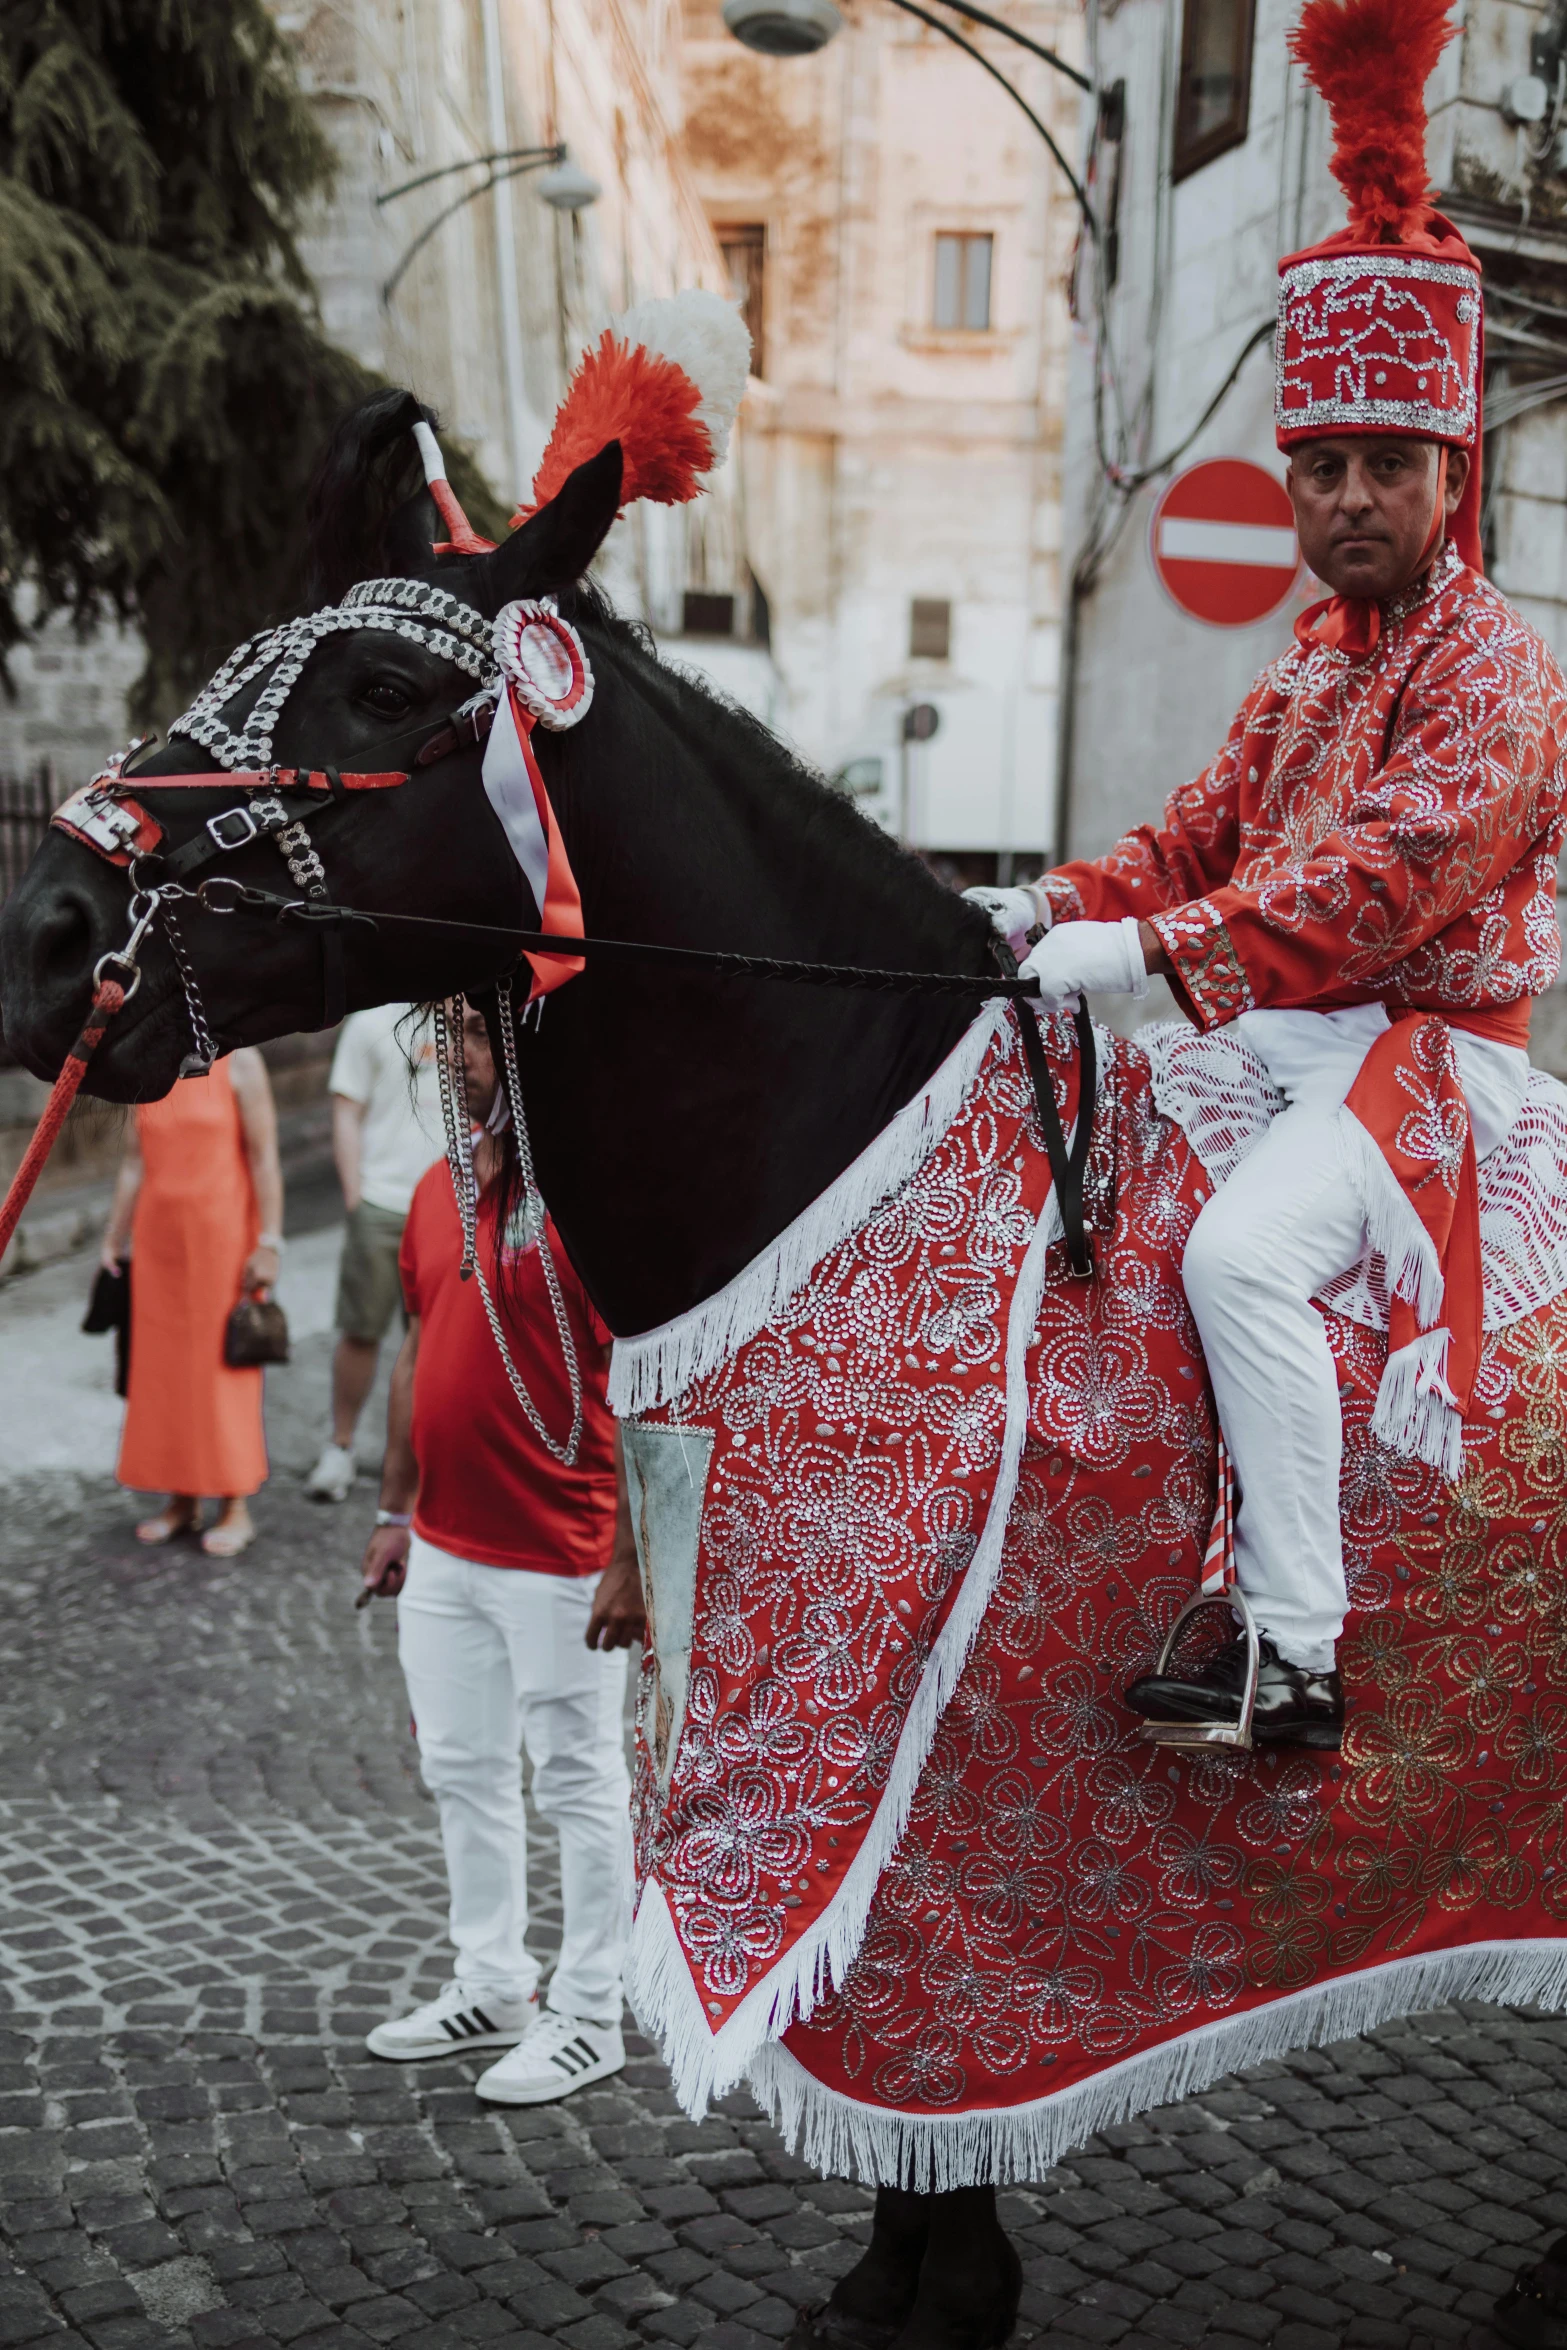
[(1382, 830)]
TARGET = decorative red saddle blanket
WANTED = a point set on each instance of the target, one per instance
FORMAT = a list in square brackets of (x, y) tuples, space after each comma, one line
[(917, 1508)]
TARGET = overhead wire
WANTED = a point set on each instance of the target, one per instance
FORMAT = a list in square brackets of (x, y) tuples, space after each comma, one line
[(951, 33), (1124, 481)]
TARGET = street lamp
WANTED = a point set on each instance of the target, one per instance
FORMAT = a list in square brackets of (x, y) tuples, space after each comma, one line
[(562, 184), (797, 28), (566, 187), (783, 28)]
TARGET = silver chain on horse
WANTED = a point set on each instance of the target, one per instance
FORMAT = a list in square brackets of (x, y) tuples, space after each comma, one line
[(428, 616), (455, 1117)]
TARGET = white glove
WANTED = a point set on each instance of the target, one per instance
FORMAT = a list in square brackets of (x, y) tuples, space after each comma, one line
[(1076, 956), (1013, 913)]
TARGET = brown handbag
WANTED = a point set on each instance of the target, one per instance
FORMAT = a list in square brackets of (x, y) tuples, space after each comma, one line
[(255, 1332)]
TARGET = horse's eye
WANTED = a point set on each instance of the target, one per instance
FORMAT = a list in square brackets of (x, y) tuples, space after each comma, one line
[(386, 699)]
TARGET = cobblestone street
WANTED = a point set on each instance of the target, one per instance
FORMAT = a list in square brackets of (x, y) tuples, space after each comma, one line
[(219, 1870)]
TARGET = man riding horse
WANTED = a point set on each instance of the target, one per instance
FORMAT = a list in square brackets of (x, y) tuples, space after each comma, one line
[(1363, 883)]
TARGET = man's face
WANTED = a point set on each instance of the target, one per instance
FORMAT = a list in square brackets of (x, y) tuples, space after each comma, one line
[(478, 1064), (1363, 506)]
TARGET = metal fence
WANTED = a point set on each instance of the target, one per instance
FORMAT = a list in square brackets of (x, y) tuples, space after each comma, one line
[(26, 804)]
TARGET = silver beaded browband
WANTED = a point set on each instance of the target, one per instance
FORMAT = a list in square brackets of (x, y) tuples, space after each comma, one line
[(411, 608)]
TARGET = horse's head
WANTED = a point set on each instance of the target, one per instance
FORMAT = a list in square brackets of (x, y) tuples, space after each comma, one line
[(678, 1124), (377, 674)]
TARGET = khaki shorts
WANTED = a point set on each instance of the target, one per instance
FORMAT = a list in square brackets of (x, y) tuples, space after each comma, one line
[(369, 1292)]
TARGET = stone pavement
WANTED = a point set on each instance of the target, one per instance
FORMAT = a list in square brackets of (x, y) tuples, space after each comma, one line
[(217, 1869)]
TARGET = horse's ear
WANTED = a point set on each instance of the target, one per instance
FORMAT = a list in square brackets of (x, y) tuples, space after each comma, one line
[(555, 546), (409, 541), (365, 476)]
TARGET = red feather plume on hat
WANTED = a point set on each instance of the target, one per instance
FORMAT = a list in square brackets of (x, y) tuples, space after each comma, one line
[(1371, 60)]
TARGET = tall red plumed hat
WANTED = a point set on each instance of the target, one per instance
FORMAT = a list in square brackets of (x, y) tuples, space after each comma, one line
[(1380, 326)]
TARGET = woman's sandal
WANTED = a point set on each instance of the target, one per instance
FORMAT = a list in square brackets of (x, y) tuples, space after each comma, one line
[(169, 1525), (225, 1540)]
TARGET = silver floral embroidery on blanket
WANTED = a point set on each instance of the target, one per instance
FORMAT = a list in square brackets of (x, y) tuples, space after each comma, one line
[(1222, 1098)]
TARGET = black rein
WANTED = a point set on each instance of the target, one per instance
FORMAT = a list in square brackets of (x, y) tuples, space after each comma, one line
[(1067, 1167)]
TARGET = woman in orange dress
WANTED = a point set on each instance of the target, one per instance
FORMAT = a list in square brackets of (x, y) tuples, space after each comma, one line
[(199, 1200)]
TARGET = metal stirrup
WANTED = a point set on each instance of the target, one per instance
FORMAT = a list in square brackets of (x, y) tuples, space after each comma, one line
[(1211, 1733)]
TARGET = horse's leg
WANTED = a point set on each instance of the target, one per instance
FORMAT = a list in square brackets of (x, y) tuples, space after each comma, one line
[(971, 2279), (1533, 2312), (871, 2304)]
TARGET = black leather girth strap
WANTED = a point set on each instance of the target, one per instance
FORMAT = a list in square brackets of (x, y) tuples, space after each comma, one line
[(1066, 1167)]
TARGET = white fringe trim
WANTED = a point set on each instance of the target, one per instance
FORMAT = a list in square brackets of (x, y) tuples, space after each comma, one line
[(657, 1366), (704, 2063), (1416, 1411), (1392, 1227), (934, 2153), (1416, 1414)]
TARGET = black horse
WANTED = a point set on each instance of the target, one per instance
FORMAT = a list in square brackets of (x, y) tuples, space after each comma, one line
[(682, 1123), (679, 1123)]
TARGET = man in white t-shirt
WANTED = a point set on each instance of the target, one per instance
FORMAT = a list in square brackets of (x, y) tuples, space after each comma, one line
[(386, 1130)]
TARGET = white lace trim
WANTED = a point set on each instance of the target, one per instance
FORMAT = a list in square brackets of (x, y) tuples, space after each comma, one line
[(1222, 1098)]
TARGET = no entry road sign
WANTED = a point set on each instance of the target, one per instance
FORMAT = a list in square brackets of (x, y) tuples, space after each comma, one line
[(1223, 542)]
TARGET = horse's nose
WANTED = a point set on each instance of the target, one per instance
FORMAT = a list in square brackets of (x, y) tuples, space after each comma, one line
[(51, 933), (64, 942)]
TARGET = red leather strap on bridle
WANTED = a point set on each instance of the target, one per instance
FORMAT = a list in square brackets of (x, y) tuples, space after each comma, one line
[(277, 779), (108, 997)]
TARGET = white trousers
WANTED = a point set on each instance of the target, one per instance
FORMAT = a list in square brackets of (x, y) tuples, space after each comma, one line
[(495, 1661), (1285, 1223)]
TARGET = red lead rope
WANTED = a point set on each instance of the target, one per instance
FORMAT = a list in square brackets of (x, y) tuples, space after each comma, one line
[(108, 996)]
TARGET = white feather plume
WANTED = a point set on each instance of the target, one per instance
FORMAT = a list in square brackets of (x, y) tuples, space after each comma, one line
[(706, 337)]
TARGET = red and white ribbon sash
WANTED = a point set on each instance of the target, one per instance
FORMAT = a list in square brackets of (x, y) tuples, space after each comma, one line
[(515, 790)]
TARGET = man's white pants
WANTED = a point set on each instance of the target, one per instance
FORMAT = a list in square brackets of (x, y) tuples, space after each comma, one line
[(495, 1661), (1285, 1223)]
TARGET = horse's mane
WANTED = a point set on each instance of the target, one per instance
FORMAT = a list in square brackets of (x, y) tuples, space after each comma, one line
[(370, 469), (869, 855)]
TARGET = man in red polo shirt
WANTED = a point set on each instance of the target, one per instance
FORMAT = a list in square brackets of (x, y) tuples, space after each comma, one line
[(518, 1594)]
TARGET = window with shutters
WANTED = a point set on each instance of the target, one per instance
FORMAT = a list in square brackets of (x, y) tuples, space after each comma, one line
[(1213, 99), (743, 245), (963, 271), (930, 628), (704, 613)]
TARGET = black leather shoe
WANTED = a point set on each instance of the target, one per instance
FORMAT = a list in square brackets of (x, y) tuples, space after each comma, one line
[(1294, 1707), (1533, 2315)]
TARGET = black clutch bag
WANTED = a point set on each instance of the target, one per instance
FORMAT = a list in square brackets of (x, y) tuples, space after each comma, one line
[(109, 1308), (256, 1332)]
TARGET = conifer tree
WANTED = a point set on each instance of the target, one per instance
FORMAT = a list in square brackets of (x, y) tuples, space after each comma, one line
[(165, 383)]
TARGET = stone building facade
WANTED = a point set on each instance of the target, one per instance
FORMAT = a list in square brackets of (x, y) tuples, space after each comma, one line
[(905, 240), (471, 287)]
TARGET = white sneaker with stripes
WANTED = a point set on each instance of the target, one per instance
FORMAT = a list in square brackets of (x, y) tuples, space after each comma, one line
[(456, 2020), (561, 2053)]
